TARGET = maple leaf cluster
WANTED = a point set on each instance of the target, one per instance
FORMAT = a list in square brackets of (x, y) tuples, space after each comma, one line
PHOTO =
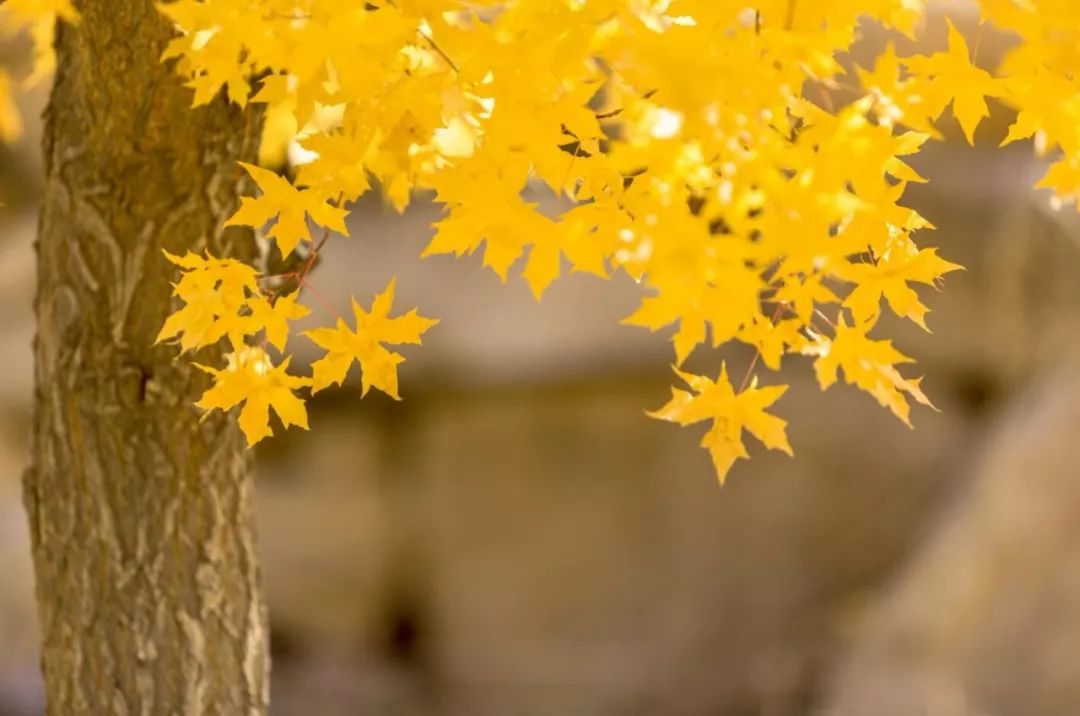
[(717, 152), (223, 300)]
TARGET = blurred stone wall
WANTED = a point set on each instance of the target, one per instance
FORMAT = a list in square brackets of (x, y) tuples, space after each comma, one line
[(984, 619)]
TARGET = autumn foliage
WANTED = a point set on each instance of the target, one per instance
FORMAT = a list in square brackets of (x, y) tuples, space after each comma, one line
[(726, 155)]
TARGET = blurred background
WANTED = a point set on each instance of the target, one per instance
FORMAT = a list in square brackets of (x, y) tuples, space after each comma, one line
[(517, 538)]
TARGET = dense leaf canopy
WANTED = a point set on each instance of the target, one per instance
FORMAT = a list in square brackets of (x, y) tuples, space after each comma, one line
[(727, 155)]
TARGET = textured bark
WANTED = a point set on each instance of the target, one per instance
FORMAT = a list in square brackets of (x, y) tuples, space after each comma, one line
[(141, 515)]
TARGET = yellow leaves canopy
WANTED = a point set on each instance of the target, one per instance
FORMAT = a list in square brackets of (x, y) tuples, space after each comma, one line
[(715, 152)]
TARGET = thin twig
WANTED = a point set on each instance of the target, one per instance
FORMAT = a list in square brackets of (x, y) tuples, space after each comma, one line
[(978, 43), (439, 50), (302, 274), (825, 318), (757, 353), (323, 303)]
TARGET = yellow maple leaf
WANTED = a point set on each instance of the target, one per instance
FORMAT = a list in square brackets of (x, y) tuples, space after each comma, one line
[(543, 266), (217, 72), (291, 207), (771, 338), (897, 99), (724, 308), (571, 236), (211, 48), (801, 295), (274, 316), (868, 364), (731, 413), (655, 312), (250, 377), (486, 208), (1063, 177), (952, 76), (214, 292), (339, 163), (1048, 106), (363, 344), (901, 264)]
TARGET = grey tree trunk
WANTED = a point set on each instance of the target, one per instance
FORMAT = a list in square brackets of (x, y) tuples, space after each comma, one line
[(141, 516)]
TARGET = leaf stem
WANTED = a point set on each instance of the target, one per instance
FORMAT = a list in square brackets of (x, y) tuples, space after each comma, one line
[(757, 354)]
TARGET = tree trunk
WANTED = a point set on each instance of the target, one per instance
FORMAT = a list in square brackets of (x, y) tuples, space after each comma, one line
[(141, 515)]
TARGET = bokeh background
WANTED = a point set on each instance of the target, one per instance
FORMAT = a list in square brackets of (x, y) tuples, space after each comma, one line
[(517, 538)]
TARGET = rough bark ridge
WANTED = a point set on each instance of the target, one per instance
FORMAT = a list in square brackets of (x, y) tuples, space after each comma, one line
[(141, 515)]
